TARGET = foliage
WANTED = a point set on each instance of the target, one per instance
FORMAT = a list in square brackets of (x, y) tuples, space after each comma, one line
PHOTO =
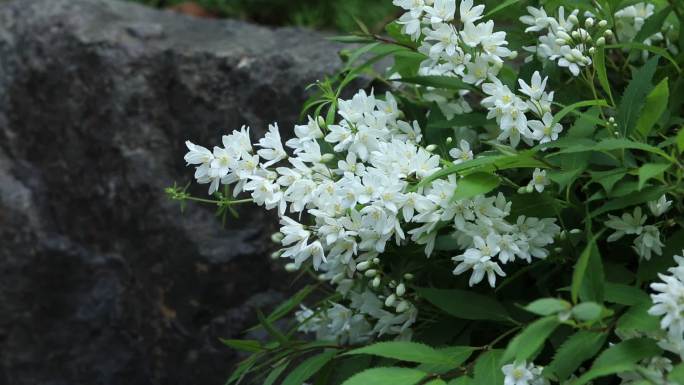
[(464, 231)]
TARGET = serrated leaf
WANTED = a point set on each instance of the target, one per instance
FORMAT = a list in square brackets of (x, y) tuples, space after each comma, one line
[(548, 306), (656, 105), (634, 97), (624, 294), (457, 355), (580, 347), (475, 184), (465, 304), (386, 376), (636, 318), (408, 351), (608, 179), (523, 346), (619, 358), (308, 368), (651, 170), (488, 369)]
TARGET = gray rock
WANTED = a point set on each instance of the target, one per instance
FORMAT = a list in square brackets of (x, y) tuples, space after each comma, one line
[(102, 280)]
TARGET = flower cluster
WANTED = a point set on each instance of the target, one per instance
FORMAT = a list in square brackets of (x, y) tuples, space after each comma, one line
[(361, 195), (647, 241), (563, 39), (668, 303)]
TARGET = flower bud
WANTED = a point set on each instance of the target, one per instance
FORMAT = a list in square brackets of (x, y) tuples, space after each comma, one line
[(601, 41), (390, 300), (361, 266), (291, 267), (376, 260), (327, 158), (449, 140), (529, 188), (277, 237), (402, 307), (431, 148), (575, 34), (563, 235), (592, 50), (575, 231), (371, 273), (321, 277), (558, 249), (522, 190), (589, 23), (408, 276), (401, 290), (376, 282), (611, 120), (276, 254), (560, 41), (513, 55), (602, 23), (321, 122), (563, 35), (573, 19), (608, 34)]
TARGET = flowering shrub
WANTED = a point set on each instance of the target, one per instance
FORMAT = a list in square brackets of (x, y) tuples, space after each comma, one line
[(500, 208)]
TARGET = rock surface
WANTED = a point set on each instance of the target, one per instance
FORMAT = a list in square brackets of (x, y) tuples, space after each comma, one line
[(102, 280)]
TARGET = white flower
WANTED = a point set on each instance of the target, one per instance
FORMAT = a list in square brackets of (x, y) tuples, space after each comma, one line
[(539, 180), (536, 88), (660, 207), (479, 260), (447, 40), (468, 13), (442, 11), (628, 224), (537, 19), (410, 22), (272, 146), (461, 153), (648, 242), (523, 374), (545, 130), (478, 70), (197, 154), (473, 34)]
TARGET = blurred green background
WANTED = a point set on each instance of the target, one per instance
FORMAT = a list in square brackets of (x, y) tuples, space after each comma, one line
[(320, 14)]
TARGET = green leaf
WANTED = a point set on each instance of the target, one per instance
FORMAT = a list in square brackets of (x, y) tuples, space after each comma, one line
[(651, 170), (274, 374), (500, 7), (580, 347), (611, 145), (568, 109), (488, 369), (680, 137), (471, 119), (677, 374), (523, 346), (475, 184), (634, 98), (636, 198), (463, 380), (645, 47), (619, 358), (587, 311), (585, 125), (408, 351), (608, 179), (386, 376), (637, 319), (243, 345), (624, 294), (656, 105), (587, 278), (436, 381), (308, 368), (465, 304), (457, 356), (600, 65), (548, 306)]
